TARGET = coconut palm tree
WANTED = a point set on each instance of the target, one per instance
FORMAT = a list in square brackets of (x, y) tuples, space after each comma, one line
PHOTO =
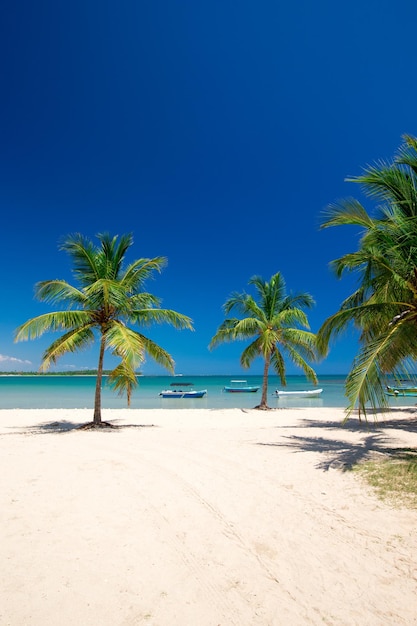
[(272, 320), (107, 298), (384, 306)]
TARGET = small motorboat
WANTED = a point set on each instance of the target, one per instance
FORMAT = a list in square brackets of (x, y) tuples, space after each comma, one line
[(181, 392), (240, 386), (401, 391), (309, 393)]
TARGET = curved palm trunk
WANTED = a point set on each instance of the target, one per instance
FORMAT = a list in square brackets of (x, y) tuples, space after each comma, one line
[(97, 398), (264, 398)]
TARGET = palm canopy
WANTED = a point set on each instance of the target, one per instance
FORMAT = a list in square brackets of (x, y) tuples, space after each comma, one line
[(273, 321), (384, 305), (109, 297)]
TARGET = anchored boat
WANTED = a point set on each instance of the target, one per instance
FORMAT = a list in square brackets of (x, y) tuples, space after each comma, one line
[(310, 393), (240, 386), (401, 391), (181, 392)]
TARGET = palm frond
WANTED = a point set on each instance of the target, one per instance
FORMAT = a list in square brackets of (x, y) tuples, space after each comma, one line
[(70, 342), (56, 291), (348, 212), (248, 327), (301, 363), (338, 323), (123, 373), (158, 354), (83, 254), (385, 181), (138, 272), (224, 334), (123, 380), (145, 317), (364, 384), (112, 254), (407, 153), (303, 340), (250, 353), (270, 293), (236, 329), (59, 320), (143, 300), (289, 316), (125, 343), (243, 304), (278, 364), (296, 300), (107, 294)]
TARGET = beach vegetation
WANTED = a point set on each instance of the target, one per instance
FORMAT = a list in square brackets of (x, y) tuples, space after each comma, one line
[(84, 372), (109, 302), (394, 478), (277, 325), (383, 307)]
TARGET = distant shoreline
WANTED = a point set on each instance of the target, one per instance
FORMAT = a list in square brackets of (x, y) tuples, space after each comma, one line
[(77, 373), (167, 375)]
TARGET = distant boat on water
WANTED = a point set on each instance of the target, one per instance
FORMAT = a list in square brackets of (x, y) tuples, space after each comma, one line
[(311, 393), (180, 392), (401, 391), (240, 386)]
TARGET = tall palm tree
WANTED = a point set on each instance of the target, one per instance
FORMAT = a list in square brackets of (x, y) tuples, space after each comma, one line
[(109, 296), (272, 321), (384, 306)]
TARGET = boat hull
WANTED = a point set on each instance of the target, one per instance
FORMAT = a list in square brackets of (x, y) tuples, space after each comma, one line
[(311, 393), (401, 391), (183, 394), (241, 389)]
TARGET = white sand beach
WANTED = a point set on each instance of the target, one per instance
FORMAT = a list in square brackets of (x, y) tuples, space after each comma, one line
[(201, 518)]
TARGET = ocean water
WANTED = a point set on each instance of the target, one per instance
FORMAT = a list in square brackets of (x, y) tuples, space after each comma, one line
[(50, 392)]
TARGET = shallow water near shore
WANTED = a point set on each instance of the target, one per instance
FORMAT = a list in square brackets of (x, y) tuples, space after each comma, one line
[(51, 392)]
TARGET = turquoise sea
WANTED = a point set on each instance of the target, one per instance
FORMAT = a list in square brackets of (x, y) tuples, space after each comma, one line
[(50, 392)]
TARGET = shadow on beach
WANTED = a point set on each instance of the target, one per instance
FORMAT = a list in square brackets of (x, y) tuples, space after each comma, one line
[(342, 454), (399, 419), (66, 426)]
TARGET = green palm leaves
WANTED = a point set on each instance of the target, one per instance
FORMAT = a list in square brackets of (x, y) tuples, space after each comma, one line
[(384, 306), (272, 320), (108, 300)]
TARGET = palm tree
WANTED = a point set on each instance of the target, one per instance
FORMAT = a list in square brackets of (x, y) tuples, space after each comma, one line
[(123, 380), (109, 296), (271, 320), (384, 306)]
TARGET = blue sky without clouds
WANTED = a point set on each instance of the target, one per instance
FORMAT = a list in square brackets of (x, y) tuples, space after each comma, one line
[(215, 131)]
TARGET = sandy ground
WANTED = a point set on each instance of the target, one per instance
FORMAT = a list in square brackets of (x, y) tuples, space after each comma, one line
[(201, 518)]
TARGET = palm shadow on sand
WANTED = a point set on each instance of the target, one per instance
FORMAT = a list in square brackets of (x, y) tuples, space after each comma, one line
[(342, 454), (65, 426)]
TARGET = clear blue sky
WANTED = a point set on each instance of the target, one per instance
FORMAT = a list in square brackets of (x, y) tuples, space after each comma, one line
[(215, 131)]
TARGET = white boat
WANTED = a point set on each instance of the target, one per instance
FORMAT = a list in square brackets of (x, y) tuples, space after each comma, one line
[(180, 392), (310, 393), (240, 386)]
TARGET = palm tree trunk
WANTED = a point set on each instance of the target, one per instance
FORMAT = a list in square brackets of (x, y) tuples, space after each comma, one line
[(264, 399), (97, 398)]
